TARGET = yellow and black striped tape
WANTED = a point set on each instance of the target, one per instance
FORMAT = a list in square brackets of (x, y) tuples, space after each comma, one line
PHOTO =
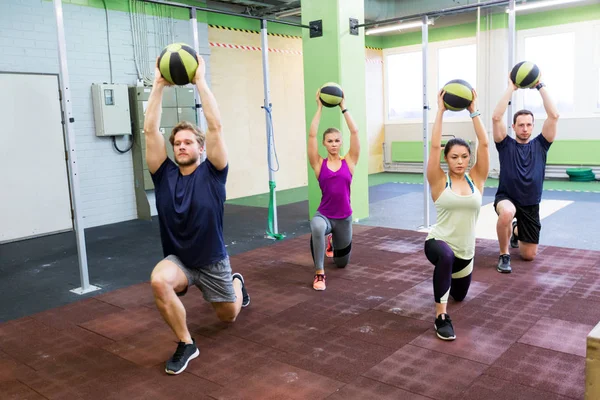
[(271, 34), (250, 31)]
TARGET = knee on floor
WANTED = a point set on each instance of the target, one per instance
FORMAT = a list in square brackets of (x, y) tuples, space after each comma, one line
[(226, 316), (458, 297), (341, 262), (528, 255)]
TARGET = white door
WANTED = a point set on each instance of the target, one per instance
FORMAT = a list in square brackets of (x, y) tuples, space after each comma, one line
[(34, 186)]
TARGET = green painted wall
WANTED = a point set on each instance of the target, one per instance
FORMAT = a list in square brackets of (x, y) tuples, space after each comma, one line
[(435, 35), (353, 74), (374, 41), (562, 152), (574, 152), (314, 50), (411, 151), (150, 9), (210, 18), (558, 17), (184, 14), (497, 21), (332, 57)]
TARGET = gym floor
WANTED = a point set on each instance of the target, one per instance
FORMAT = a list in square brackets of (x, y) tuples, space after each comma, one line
[(522, 333)]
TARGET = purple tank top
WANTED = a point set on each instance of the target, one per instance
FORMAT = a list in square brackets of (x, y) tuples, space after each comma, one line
[(335, 187)]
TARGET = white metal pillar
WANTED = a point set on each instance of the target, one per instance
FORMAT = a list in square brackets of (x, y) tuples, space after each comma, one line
[(268, 120), (511, 59), (199, 113), (68, 121), (426, 190)]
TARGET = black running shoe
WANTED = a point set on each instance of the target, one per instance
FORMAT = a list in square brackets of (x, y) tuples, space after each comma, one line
[(245, 295), (504, 264), (184, 353), (443, 327), (514, 240)]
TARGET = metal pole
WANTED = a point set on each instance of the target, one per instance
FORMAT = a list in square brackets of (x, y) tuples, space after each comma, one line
[(267, 106), (198, 103), (426, 189), (168, 3), (511, 59), (68, 121), (444, 11)]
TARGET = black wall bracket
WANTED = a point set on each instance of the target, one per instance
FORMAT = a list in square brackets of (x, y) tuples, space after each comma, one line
[(316, 28), (354, 26)]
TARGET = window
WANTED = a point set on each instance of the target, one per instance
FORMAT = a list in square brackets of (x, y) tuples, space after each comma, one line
[(458, 62), (404, 85), (597, 62), (555, 56)]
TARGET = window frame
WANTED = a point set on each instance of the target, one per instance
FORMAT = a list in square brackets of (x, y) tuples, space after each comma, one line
[(447, 45), (432, 77), (386, 71), (585, 101)]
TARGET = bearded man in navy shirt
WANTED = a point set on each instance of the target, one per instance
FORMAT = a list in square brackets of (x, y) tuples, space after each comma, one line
[(522, 170), (190, 197)]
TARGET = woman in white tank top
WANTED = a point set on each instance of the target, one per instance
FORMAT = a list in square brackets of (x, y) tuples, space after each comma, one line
[(457, 195)]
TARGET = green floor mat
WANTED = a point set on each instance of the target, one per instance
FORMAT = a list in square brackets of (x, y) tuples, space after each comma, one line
[(394, 177)]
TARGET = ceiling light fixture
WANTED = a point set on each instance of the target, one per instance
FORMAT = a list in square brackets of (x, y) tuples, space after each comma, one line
[(289, 13), (541, 4), (397, 27)]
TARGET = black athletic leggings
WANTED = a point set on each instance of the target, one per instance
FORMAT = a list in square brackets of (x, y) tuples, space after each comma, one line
[(341, 230), (451, 275)]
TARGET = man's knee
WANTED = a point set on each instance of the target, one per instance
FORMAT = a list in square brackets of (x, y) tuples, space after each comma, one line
[(528, 255), (166, 278), (227, 317), (505, 216), (160, 285), (528, 251), (226, 312)]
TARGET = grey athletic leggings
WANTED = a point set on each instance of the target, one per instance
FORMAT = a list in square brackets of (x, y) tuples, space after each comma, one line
[(341, 230)]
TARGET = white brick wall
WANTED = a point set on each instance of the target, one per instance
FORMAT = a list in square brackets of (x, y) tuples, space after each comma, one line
[(28, 43)]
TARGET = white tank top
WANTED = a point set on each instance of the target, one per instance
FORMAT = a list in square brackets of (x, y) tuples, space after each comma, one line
[(456, 219)]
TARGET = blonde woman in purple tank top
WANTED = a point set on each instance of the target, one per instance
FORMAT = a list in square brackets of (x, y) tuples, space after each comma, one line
[(334, 173)]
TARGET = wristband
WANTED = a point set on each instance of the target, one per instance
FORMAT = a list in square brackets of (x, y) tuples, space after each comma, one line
[(344, 110), (474, 114), (540, 85)]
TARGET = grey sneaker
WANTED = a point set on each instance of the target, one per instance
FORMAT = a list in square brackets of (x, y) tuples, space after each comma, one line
[(443, 327), (504, 264), (514, 240)]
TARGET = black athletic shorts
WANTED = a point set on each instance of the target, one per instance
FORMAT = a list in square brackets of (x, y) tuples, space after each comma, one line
[(528, 221)]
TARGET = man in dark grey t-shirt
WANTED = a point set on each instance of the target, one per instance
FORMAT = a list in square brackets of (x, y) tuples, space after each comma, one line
[(522, 169)]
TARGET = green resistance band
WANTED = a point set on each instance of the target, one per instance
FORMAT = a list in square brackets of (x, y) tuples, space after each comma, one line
[(276, 236)]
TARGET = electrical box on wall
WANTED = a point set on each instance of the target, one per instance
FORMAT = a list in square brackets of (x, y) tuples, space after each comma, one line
[(111, 109)]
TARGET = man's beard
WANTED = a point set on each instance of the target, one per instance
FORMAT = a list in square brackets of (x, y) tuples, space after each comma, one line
[(191, 160)]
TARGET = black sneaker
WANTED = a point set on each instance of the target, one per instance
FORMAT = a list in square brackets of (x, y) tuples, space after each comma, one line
[(181, 358), (514, 240), (504, 264), (443, 327), (245, 295)]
